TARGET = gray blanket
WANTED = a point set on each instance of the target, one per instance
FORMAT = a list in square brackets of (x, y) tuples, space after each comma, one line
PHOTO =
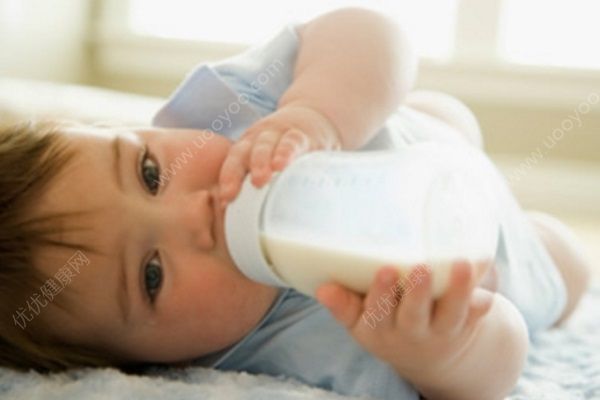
[(563, 364)]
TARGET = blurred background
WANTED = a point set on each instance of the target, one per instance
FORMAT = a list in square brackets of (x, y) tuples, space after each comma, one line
[(529, 69)]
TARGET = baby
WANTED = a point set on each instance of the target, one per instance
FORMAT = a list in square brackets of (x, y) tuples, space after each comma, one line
[(113, 253)]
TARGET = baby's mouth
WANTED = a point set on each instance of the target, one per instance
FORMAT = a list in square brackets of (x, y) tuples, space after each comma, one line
[(213, 220), (214, 204)]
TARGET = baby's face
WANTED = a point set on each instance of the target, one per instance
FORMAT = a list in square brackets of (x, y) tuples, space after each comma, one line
[(162, 241)]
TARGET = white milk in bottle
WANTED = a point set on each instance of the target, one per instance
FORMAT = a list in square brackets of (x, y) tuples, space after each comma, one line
[(340, 216)]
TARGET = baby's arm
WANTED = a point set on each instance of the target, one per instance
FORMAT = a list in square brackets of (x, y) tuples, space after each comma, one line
[(354, 67), (468, 344)]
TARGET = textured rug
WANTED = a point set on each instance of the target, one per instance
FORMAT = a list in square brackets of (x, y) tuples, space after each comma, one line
[(563, 364)]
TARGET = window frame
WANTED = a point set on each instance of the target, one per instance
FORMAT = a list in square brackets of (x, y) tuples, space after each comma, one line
[(473, 72)]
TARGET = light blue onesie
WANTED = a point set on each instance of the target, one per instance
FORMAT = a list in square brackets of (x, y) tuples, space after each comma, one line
[(297, 337)]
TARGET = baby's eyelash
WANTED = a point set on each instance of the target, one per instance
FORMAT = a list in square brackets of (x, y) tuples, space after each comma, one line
[(153, 182), (155, 268)]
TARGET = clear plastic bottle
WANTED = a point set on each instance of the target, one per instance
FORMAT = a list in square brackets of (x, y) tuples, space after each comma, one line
[(340, 216)]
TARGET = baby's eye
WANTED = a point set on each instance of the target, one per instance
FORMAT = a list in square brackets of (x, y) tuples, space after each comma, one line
[(150, 172), (153, 278)]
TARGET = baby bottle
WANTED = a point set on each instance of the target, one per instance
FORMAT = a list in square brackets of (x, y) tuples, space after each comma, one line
[(340, 216)]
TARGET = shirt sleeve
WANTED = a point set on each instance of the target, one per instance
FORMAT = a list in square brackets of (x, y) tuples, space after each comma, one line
[(228, 96), (264, 72)]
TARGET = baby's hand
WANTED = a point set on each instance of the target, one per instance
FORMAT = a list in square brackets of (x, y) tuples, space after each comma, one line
[(400, 323), (271, 143)]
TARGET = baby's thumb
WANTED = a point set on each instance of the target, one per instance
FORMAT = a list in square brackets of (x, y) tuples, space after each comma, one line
[(344, 304)]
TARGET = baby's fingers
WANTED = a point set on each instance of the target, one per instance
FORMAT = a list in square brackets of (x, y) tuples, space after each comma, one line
[(381, 300), (292, 143), (234, 170), (344, 304), (260, 159), (451, 309), (414, 313)]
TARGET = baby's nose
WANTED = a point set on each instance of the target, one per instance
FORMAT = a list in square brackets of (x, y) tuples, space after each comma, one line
[(196, 217)]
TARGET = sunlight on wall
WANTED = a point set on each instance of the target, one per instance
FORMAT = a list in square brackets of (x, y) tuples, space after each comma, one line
[(250, 22), (11, 14), (43, 39), (558, 33)]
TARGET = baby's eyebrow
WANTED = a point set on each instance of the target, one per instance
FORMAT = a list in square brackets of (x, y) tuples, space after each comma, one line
[(116, 148)]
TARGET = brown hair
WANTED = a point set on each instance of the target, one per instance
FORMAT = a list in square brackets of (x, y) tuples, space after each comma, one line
[(32, 154)]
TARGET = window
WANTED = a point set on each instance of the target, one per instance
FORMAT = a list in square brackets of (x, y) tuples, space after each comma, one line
[(532, 32), (512, 51), (235, 21), (555, 33)]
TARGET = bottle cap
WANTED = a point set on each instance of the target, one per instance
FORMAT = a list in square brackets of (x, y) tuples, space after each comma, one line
[(243, 234)]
